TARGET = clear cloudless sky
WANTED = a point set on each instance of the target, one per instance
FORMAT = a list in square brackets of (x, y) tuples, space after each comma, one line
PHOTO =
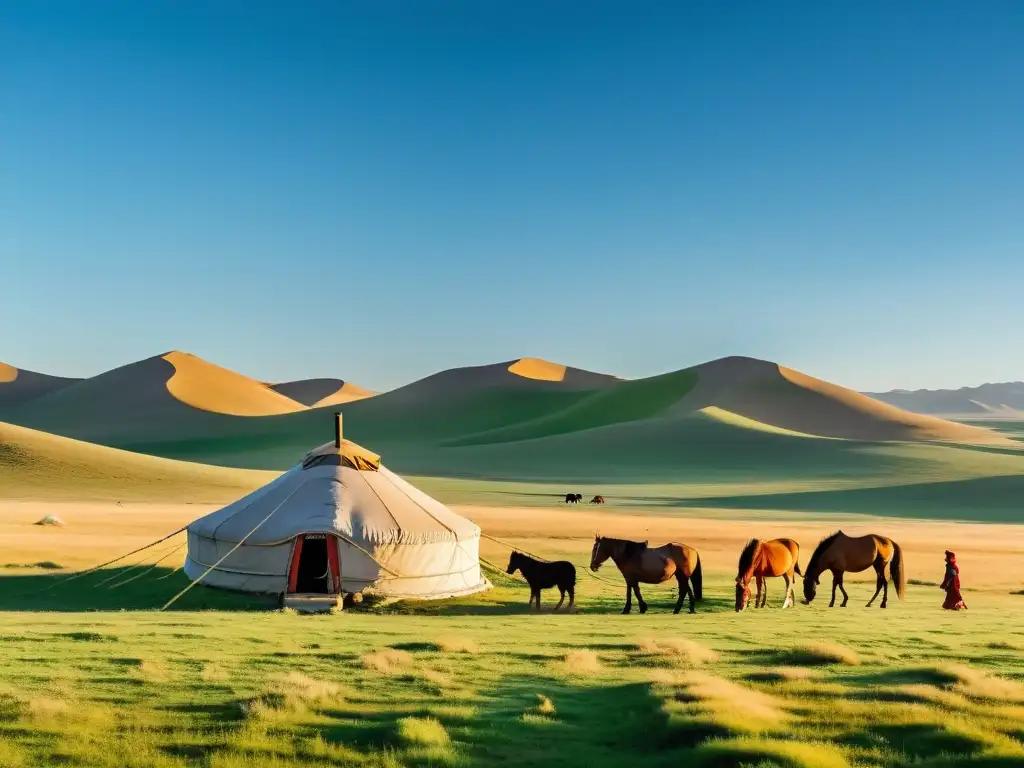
[(379, 190)]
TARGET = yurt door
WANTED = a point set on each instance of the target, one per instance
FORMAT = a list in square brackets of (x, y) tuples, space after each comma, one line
[(314, 568)]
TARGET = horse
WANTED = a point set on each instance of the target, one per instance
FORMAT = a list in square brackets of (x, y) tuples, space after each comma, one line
[(597, 500), (840, 553), (761, 559), (540, 575), (641, 564), (573, 498)]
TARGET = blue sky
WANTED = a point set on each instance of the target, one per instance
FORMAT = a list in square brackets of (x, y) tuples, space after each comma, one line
[(380, 190)]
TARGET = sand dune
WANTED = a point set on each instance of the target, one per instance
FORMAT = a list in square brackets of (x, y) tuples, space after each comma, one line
[(209, 387), (781, 397), (317, 393), (524, 373), (19, 386), (153, 399), (39, 465)]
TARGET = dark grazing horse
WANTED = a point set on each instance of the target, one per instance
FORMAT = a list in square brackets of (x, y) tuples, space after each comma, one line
[(541, 575), (597, 500), (573, 498)]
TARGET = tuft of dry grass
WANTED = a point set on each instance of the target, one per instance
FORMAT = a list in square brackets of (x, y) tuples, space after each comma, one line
[(581, 662), (755, 751), (1004, 645), (975, 684), (782, 675), (423, 732), (544, 706), (293, 692), (149, 671), (457, 644), (678, 650), (730, 705), (810, 654), (388, 661)]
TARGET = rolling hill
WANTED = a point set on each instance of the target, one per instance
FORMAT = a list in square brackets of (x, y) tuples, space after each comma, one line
[(987, 401), (18, 386), (39, 465), (728, 418), (162, 394)]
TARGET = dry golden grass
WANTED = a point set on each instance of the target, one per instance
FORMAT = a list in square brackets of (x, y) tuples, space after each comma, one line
[(783, 675), (457, 644), (824, 653), (388, 661), (544, 706), (976, 684), (732, 706), (679, 650), (581, 662), (149, 671), (293, 692), (213, 673)]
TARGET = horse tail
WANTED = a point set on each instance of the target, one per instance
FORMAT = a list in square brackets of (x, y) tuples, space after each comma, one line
[(899, 570), (697, 577)]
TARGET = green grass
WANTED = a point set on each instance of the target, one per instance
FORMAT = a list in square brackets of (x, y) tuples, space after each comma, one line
[(481, 681)]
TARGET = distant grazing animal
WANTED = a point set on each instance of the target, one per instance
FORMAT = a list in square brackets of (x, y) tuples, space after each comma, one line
[(597, 500), (540, 575), (640, 563), (762, 559), (573, 498), (840, 553)]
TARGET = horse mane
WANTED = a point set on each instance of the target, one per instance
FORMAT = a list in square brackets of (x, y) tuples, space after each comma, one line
[(820, 550), (747, 556)]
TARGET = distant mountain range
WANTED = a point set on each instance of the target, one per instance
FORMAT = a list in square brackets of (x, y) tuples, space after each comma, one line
[(1004, 400)]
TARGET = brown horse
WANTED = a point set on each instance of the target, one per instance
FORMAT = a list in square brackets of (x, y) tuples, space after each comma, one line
[(641, 564), (762, 559), (840, 553), (597, 500)]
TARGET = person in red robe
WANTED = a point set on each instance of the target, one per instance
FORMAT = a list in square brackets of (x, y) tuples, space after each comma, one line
[(954, 600)]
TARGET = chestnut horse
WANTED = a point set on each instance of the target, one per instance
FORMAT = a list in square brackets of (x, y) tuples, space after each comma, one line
[(640, 564), (762, 559), (840, 553)]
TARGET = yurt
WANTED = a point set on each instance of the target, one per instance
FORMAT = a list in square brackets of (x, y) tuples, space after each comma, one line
[(336, 523)]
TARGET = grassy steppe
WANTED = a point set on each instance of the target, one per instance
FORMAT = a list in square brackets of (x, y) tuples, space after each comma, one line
[(480, 682)]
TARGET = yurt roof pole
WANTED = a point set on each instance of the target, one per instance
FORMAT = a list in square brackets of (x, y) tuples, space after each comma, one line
[(337, 430)]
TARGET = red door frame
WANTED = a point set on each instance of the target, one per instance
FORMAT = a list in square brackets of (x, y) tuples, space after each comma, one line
[(332, 562)]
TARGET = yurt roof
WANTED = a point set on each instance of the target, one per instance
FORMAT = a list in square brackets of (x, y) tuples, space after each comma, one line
[(319, 496), (349, 454)]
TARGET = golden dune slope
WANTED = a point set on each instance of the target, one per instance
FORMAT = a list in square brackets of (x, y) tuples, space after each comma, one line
[(535, 368), (209, 387), (8, 373), (348, 393), (786, 399)]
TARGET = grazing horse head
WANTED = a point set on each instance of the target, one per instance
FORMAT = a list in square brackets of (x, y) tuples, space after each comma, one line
[(810, 587), (514, 562), (742, 594)]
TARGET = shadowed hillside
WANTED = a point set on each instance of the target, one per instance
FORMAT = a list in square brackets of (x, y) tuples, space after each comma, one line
[(38, 465), (317, 393), (18, 386)]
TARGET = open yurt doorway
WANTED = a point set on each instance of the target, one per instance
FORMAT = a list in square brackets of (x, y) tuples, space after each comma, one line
[(314, 568)]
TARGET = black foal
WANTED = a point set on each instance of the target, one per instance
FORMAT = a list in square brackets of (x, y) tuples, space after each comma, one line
[(540, 575)]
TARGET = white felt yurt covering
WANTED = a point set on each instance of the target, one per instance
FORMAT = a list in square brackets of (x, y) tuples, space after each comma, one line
[(390, 538)]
